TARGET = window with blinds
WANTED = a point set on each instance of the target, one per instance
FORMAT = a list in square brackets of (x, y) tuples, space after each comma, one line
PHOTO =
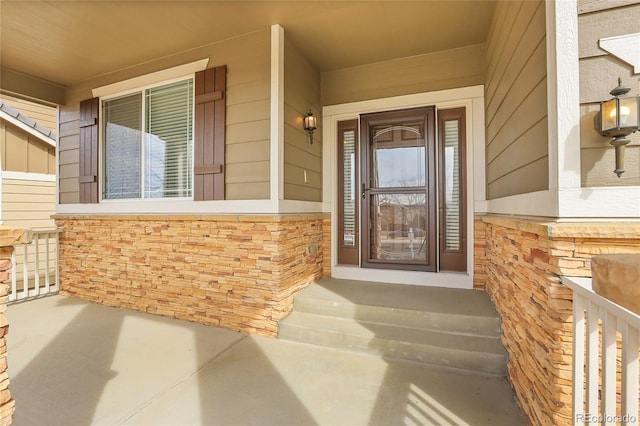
[(452, 219), (348, 194), (156, 162), (453, 214)]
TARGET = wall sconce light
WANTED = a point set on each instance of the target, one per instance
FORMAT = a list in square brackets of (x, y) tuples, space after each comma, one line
[(310, 123), (618, 118)]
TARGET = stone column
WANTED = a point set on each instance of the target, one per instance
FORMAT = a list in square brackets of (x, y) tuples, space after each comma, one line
[(9, 237)]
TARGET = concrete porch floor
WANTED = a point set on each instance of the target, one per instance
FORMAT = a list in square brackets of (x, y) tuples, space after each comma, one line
[(73, 362)]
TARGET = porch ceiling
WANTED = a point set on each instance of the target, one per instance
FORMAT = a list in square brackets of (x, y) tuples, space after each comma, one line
[(67, 42)]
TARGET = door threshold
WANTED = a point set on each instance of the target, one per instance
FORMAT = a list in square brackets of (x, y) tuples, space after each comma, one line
[(430, 279)]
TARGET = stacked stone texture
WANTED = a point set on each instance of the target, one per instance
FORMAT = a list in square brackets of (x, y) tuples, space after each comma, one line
[(237, 272), (326, 247), (519, 263), (7, 404)]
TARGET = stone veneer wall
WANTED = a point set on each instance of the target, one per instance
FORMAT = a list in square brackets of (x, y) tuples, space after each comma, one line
[(519, 262), (326, 247), (7, 404), (9, 237), (233, 271)]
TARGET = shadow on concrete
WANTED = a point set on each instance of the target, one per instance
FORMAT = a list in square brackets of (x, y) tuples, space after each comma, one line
[(63, 383), (412, 393), (73, 362)]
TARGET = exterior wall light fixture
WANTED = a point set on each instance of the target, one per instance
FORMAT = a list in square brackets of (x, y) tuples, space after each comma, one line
[(310, 123), (618, 118)]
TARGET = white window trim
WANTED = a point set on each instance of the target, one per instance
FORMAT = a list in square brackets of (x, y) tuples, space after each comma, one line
[(150, 79), (472, 98), (101, 142)]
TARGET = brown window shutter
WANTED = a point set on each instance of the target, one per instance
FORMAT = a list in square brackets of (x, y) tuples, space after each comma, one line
[(209, 133), (88, 177)]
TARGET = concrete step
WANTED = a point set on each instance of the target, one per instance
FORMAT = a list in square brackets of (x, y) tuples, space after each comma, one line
[(449, 328), (431, 308)]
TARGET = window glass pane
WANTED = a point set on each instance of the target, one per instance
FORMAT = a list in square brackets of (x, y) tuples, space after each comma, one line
[(399, 227), (169, 141), (349, 189), (452, 212), (398, 156), (122, 120)]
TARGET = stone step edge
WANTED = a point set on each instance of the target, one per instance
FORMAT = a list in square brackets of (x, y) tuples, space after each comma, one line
[(484, 367), (475, 325), (293, 320)]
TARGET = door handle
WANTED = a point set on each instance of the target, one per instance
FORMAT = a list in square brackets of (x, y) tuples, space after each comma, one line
[(364, 192)]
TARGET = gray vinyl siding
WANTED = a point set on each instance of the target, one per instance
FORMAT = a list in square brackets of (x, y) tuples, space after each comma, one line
[(417, 74), (247, 163), (517, 154), (301, 94), (599, 72)]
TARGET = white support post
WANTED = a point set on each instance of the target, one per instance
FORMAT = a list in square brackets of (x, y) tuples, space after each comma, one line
[(593, 374), (14, 279), (630, 343), (36, 269), (277, 115), (25, 270), (609, 352), (47, 280), (578, 355)]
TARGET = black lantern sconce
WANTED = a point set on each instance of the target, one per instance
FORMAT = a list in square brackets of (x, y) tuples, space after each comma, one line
[(618, 118), (310, 123)]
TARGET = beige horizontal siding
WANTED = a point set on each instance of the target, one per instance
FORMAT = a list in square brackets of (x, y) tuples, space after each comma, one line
[(27, 203), (599, 72), (423, 73), (516, 100), (301, 94), (588, 6), (44, 115), (247, 171)]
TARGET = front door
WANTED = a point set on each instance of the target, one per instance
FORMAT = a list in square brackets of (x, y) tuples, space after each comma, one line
[(398, 190)]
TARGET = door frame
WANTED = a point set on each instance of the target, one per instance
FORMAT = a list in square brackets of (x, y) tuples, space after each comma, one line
[(472, 99), (427, 115)]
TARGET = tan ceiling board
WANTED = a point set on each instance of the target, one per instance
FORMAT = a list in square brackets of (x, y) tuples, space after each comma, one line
[(71, 41)]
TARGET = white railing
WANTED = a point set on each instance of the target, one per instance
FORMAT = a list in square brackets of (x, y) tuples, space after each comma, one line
[(34, 270), (600, 327)]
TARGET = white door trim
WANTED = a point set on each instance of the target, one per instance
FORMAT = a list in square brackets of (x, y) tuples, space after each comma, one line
[(472, 98)]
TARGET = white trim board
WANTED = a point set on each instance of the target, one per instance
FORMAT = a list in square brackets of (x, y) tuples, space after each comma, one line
[(35, 177), (277, 114), (168, 207), (153, 78)]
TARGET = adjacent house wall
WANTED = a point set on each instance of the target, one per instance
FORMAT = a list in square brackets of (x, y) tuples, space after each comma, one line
[(599, 72), (301, 95), (28, 203), (45, 115), (21, 152), (417, 74), (516, 100), (247, 131), (28, 197)]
